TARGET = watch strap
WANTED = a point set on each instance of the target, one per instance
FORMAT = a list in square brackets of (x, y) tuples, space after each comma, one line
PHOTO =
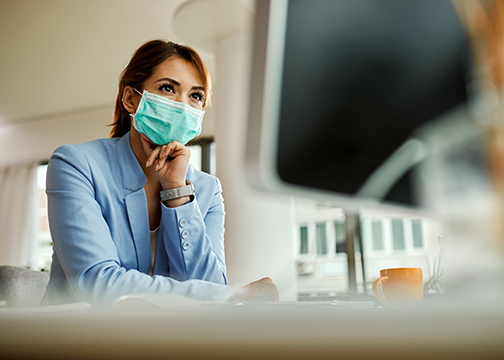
[(178, 192)]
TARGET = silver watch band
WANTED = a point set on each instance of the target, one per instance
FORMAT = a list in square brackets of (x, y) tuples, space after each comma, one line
[(179, 192)]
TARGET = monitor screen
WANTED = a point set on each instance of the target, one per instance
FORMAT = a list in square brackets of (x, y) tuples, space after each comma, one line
[(340, 86)]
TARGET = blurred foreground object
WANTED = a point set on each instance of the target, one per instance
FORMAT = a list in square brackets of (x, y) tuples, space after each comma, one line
[(463, 177), (484, 20)]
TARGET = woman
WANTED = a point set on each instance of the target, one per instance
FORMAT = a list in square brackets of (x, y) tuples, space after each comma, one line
[(129, 214)]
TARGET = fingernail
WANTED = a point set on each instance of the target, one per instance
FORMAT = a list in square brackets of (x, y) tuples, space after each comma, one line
[(157, 167)]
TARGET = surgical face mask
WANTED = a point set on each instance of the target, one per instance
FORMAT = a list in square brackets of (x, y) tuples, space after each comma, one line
[(163, 120)]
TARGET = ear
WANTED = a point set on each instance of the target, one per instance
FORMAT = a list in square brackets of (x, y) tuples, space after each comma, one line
[(130, 99)]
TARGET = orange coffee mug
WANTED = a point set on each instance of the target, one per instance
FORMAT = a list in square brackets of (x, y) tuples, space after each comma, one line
[(400, 286)]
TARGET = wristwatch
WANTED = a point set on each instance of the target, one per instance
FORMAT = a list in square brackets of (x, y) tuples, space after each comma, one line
[(179, 192)]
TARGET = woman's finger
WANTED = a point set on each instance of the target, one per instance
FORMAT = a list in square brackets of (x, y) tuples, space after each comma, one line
[(153, 156), (161, 158)]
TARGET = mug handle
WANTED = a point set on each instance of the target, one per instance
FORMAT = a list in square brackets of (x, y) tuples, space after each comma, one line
[(376, 292)]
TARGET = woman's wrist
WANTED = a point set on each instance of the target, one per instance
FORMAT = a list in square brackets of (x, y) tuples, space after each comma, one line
[(177, 202), (173, 185)]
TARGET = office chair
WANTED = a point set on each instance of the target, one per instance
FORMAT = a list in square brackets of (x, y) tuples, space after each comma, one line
[(21, 287)]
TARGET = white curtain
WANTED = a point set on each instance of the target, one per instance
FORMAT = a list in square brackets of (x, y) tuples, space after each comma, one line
[(18, 214)]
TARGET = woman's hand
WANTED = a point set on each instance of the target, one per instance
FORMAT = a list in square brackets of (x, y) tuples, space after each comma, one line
[(170, 162), (260, 290)]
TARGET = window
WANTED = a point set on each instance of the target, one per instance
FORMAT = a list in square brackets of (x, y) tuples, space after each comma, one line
[(195, 159), (417, 233), (203, 156), (320, 234), (303, 234), (398, 234), (44, 236), (339, 231), (377, 233)]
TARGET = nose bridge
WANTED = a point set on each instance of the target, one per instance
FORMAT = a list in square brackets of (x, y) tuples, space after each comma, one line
[(182, 96)]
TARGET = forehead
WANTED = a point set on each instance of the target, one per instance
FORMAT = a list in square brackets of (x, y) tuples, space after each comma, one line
[(178, 69)]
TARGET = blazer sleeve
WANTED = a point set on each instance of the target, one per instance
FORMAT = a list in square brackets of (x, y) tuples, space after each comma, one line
[(195, 241), (84, 245)]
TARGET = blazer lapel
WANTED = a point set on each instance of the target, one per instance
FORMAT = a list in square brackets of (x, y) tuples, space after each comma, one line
[(136, 207), (133, 180)]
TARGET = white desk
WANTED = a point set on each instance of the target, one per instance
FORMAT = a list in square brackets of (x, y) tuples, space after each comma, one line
[(141, 330)]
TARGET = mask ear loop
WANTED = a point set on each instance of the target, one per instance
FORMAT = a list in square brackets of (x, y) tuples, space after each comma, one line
[(139, 93)]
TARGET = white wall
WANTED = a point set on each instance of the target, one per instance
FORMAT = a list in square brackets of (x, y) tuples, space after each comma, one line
[(37, 139), (259, 235)]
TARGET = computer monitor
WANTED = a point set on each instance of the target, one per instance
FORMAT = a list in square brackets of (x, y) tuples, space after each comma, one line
[(340, 86)]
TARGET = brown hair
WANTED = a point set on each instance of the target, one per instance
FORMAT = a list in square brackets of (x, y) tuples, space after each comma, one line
[(142, 65)]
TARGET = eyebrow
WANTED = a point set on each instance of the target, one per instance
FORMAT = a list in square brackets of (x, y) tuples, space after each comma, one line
[(169, 80), (176, 83)]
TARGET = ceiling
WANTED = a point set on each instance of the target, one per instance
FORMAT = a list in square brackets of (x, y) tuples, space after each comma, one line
[(60, 56)]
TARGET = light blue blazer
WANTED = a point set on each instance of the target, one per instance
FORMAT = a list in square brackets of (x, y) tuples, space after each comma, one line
[(99, 225)]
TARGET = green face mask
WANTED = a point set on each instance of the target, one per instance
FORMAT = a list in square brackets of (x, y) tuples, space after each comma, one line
[(163, 120)]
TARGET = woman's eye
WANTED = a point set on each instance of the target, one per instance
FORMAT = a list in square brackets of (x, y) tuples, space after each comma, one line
[(166, 88), (198, 97)]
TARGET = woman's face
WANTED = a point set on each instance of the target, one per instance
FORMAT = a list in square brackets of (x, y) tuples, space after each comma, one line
[(176, 79)]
